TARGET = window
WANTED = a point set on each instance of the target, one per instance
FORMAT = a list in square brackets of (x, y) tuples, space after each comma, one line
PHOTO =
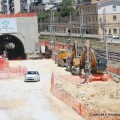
[(100, 20), (83, 9), (93, 8), (114, 7), (93, 18), (114, 17), (86, 9), (109, 31), (96, 18), (115, 31), (86, 18), (89, 18)]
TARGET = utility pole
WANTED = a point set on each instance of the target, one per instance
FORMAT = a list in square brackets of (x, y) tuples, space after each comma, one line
[(81, 25), (104, 30), (119, 30), (87, 62), (52, 27), (70, 29)]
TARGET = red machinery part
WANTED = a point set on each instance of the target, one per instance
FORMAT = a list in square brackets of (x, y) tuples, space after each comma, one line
[(100, 77)]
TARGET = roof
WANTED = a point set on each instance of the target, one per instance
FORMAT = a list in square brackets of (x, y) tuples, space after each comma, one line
[(98, 1), (17, 15)]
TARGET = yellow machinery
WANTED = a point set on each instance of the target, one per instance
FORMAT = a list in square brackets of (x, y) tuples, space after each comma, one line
[(74, 62), (63, 55)]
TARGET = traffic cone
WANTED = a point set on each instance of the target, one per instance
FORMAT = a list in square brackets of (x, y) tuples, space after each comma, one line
[(52, 81), (80, 108)]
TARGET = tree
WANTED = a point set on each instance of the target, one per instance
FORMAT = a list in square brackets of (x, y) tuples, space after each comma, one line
[(42, 16), (67, 7)]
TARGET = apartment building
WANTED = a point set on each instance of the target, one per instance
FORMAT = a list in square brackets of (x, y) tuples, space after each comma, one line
[(93, 12), (15, 6)]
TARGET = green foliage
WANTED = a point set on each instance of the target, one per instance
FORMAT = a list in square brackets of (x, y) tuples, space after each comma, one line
[(43, 15), (57, 13), (67, 7), (64, 10), (75, 12)]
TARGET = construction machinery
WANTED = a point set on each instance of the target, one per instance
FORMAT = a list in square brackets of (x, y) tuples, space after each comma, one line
[(73, 62), (92, 65), (45, 52), (63, 55), (86, 61)]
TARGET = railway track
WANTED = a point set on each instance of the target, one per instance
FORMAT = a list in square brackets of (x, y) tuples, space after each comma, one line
[(113, 56)]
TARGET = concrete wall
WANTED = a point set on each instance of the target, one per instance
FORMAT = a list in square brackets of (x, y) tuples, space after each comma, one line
[(27, 31)]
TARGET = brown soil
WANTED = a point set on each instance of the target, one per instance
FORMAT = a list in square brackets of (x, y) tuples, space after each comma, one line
[(100, 96)]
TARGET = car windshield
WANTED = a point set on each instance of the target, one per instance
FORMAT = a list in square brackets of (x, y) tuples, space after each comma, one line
[(31, 72)]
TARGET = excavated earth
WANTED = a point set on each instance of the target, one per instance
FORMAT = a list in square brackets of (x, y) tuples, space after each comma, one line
[(99, 96)]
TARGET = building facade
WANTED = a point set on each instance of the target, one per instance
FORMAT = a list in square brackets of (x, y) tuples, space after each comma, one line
[(14, 6), (93, 13)]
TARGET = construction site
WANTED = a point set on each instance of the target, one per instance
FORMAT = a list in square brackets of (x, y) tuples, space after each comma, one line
[(92, 88), (81, 76), (84, 75)]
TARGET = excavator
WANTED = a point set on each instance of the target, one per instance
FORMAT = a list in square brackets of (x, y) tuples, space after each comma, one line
[(73, 62), (87, 62), (93, 66)]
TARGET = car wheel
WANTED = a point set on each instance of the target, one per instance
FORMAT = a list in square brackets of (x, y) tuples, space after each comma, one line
[(38, 79)]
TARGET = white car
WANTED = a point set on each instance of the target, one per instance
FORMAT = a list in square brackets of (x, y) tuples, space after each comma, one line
[(32, 76), (115, 36)]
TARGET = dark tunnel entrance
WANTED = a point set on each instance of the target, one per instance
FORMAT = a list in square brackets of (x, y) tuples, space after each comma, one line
[(11, 47)]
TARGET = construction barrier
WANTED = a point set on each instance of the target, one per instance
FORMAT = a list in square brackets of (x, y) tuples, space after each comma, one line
[(84, 109), (12, 72), (3, 63), (52, 81), (115, 70)]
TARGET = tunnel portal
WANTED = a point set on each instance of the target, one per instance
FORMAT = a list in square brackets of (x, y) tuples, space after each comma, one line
[(12, 47)]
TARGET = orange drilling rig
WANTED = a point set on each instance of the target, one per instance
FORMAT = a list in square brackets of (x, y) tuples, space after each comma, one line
[(94, 67)]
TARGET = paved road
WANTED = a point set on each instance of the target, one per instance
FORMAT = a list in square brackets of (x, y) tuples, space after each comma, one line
[(21, 100)]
